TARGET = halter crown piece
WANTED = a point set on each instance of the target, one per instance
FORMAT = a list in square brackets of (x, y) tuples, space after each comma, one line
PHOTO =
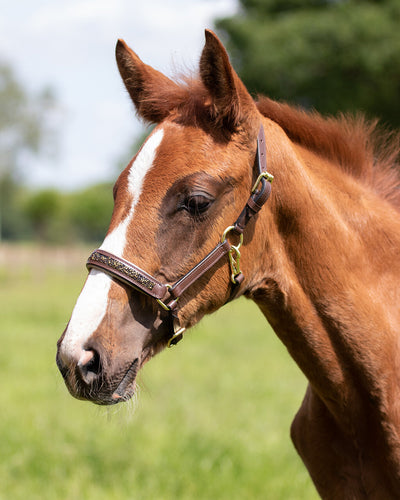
[(167, 295)]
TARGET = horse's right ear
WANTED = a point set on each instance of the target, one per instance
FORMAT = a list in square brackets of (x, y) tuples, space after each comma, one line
[(231, 102), (151, 91)]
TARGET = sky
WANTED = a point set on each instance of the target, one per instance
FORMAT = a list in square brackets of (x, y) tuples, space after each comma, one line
[(69, 45)]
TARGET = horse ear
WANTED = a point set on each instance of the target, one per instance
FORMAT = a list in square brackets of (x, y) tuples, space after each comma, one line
[(231, 102), (151, 91)]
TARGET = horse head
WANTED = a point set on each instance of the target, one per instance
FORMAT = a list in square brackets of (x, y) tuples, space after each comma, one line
[(179, 194)]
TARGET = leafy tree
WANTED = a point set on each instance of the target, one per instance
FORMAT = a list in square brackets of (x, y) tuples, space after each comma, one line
[(41, 209), (15, 223), (25, 129), (55, 217), (333, 55), (90, 212)]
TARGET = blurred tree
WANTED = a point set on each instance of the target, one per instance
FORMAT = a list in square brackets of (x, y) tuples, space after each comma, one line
[(90, 212), (332, 55), (15, 223), (55, 217), (25, 128), (41, 209)]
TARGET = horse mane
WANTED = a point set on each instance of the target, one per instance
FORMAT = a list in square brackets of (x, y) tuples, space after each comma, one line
[(356, 145)]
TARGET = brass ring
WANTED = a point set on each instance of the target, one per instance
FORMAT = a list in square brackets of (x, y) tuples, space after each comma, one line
[(227, 231)]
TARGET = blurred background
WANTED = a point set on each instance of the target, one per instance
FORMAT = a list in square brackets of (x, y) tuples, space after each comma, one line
[(67, 128)]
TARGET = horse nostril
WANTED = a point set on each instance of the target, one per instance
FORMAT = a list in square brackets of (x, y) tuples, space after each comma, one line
[(89, 366)]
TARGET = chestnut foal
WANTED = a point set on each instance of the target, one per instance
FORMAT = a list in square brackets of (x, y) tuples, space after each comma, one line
[(192, 229)]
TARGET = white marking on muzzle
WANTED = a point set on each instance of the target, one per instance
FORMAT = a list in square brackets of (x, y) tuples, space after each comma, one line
[(92, 303)]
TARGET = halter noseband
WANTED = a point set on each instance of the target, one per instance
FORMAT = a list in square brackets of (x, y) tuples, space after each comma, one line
[(167, 295)]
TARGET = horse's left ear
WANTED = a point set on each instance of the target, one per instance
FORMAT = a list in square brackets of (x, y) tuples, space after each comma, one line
[(152, 92), (231, 102)]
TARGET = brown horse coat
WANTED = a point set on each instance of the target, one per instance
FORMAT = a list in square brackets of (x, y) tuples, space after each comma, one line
[(321, 260)]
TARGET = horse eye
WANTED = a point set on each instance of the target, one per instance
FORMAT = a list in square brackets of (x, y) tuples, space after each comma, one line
[(197, 204)]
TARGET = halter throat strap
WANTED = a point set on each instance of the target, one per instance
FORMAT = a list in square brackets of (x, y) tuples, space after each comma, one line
[(167, 295)]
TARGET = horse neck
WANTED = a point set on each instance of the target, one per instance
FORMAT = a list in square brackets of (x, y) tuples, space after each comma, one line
[(321, 257)]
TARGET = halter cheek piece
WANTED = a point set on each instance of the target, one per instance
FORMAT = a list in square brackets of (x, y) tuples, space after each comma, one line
[(167, 295)]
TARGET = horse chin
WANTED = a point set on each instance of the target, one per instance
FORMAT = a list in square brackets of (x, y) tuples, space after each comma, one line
[(126, 387), (106, 390), (107, 376), (119, 388), (124, 391)]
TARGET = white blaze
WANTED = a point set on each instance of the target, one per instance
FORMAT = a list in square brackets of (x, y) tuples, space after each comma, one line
[(91, 305)]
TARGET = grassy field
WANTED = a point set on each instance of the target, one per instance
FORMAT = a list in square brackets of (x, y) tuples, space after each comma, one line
[(211, 420)]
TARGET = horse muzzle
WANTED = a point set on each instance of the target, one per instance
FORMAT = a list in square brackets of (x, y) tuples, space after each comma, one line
[(89, 375)]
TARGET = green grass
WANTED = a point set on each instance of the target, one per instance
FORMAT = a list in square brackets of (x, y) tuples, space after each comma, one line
[(211, 421)]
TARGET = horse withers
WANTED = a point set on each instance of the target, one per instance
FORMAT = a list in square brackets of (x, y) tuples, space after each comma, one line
[(194, 227)]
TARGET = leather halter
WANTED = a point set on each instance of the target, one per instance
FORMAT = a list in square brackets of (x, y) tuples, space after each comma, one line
[(168, 295)]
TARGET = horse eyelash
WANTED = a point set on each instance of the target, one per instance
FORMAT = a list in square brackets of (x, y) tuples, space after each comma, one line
[(185, 205)]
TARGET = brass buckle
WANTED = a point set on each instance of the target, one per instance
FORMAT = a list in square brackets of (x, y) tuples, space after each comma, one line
[(178, 332), (163, 304), (264, 175), (234, 261), (234, 253)]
